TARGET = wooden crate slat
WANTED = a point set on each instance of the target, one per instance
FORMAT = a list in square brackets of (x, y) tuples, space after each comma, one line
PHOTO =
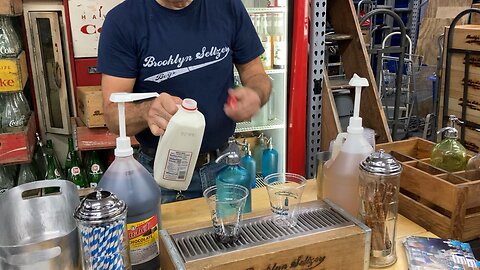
[(18, 147), (420, 183), (472, 226), (424, 216)]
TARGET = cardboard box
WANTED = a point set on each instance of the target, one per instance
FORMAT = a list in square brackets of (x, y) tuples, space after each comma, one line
[(13, 73), (18, 147), (11, 7), (90, 106)]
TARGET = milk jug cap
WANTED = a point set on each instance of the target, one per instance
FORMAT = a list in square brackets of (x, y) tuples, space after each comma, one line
[(189, 104), (100, 206), (381, 163)]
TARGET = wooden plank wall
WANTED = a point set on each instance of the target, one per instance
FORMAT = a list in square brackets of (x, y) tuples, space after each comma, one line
[(439, 14)]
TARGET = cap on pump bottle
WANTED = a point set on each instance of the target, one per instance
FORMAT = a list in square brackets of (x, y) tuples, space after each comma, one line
[(123, 144), (355, 124)]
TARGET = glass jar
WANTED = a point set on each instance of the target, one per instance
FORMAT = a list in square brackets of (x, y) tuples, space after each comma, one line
[(379, 184)]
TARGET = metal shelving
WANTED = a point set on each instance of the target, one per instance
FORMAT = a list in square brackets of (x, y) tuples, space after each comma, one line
[(267, 10), (248, 126)]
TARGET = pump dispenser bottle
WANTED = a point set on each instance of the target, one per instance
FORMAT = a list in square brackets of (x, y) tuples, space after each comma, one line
[(341, 172), (133, 184), (233, 173), (449, 154)]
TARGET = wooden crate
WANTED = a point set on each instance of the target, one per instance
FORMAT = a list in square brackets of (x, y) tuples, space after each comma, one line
[(11, 7), (90, 106), (18, 147), (444, 203), (13, 73), (465, 37)]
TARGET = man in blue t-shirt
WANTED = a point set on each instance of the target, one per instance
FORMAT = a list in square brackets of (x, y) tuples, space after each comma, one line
[(182, 49)]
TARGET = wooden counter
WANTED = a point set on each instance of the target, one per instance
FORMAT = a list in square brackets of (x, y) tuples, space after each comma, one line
[(186, 213)]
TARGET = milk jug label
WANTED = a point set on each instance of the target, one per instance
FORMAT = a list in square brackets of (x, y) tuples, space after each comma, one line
[(143, 237), (177, 165)]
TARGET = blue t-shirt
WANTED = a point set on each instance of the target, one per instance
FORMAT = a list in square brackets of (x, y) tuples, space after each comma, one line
[(188, 53)]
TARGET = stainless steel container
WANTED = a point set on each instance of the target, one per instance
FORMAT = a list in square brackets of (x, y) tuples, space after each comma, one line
[(379, 187), (39, 233), (101, 220)]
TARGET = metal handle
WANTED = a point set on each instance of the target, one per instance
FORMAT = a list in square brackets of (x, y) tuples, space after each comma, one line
[(30, 258), (62, 184)]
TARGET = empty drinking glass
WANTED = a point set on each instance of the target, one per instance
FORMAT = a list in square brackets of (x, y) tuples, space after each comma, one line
[(285, 193)]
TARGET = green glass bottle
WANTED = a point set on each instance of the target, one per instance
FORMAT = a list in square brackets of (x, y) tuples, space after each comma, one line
[(68, 159), (449, 154), (51, 151), (94, 169), (76, 174), (51, 173)]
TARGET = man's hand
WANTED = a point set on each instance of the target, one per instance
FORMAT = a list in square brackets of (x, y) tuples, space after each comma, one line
[(248, 103), (161, 110)]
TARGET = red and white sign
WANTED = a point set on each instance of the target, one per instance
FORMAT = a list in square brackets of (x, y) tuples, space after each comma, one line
[(86, 20)]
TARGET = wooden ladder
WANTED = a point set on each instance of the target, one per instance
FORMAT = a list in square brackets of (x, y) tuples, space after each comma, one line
[(343, 18)]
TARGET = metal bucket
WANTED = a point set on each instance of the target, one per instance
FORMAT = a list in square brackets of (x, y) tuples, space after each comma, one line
[(39, 232)]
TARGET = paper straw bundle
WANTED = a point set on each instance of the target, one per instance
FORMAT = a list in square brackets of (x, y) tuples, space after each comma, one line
[(103, 245)]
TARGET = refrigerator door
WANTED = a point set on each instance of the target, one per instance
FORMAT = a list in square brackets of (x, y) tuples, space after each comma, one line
[(270, 19)]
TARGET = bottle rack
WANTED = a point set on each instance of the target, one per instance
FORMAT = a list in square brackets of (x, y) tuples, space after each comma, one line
[(445, 203)]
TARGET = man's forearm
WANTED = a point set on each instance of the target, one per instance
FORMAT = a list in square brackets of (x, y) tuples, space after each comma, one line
[(261, 84), (135, 115)]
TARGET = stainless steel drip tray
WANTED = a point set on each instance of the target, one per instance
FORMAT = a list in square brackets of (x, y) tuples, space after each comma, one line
[(201, 243)]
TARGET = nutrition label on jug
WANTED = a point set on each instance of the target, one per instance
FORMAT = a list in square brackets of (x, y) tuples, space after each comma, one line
[(177, 165)]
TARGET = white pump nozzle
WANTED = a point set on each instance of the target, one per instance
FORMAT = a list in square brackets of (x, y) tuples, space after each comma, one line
[(355, 124), (124, 146)]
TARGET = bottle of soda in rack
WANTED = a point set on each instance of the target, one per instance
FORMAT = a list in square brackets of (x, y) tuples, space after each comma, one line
[(279, 42), (94, 169), (265, 38), (40, 156), (10, 45), (13, 119), (76, 174), (50, 150), (70, 153), (6, 182), (26, 174)]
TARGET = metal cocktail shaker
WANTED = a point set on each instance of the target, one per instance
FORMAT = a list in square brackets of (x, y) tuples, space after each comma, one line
[(379, 184), (101, 221)]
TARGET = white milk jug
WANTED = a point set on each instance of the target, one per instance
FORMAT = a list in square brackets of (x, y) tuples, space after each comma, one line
[(178, 148)]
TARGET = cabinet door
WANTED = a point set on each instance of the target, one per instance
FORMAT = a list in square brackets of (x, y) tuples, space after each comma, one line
[(49, 71)]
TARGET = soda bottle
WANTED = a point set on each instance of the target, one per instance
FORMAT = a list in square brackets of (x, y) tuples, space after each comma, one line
[(6, 182), (40, 157), (76, 174), (51, 173), (70, 153), (27, 174), (12, 118), (10, 45), (94, 169), (279, 42), (50, 150), (265, 37)]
